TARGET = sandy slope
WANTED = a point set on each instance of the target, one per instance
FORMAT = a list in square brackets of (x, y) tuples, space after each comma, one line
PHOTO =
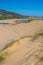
[(24, 51), (27, 53), (11, 32), (12, 21)]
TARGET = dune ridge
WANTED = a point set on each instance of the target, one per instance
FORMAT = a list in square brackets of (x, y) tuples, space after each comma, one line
[(27, 48)]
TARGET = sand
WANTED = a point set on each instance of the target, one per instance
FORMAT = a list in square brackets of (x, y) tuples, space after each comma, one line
[(25, 51)]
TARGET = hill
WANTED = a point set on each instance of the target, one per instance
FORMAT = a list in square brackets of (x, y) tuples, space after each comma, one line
[(4, 14), (9, 15)]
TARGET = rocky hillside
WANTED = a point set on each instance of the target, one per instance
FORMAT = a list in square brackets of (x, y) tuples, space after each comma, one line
[(9, 15), (4, 14)]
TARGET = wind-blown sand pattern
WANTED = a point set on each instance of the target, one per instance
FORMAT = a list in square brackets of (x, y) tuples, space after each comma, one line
[(27, 48)]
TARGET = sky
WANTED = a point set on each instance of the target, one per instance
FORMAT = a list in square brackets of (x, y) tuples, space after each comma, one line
[(24, 7)]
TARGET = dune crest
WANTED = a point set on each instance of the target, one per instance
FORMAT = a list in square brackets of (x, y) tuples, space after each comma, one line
[(27, 45)]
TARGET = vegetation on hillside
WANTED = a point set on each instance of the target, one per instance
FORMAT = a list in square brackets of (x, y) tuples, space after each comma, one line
[(12, 15), (9, 15)]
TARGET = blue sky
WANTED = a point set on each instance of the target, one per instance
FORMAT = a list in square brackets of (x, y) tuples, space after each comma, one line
[(24, 7)]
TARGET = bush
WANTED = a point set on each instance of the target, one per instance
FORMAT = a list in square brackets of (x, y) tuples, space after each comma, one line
[(30, 19), (1, 58)]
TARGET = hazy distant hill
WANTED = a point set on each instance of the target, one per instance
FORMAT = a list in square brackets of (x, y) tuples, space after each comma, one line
[(8, 15), (4, 14)]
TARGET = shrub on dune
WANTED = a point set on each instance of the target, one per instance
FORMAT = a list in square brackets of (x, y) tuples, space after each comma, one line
[(1, 59)]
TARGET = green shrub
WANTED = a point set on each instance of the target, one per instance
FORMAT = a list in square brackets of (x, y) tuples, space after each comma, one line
[(31, 19), (1, 58)]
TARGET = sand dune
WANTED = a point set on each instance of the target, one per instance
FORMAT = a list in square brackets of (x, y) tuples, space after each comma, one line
[(26, 50)]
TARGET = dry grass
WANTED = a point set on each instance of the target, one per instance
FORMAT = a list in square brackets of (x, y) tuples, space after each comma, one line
[(8, 45), (41, 59)]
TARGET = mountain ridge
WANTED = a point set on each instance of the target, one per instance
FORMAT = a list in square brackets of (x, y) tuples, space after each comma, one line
[(4, 14)]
